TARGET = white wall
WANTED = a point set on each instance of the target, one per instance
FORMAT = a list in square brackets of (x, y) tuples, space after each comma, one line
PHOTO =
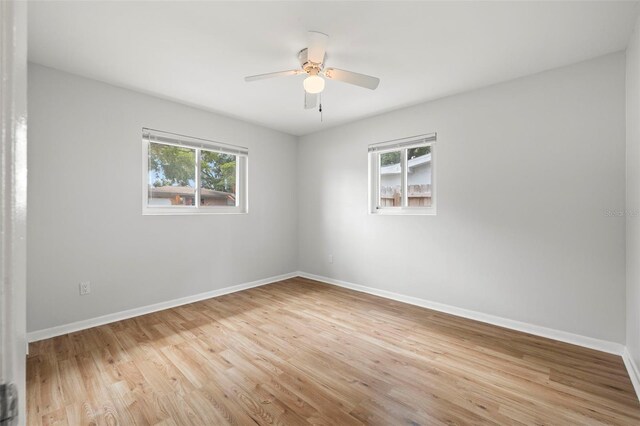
[(526, 170), (85, 220), (633, 196)]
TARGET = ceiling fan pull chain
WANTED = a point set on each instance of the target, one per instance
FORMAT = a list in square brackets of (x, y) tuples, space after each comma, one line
[(320, 107)]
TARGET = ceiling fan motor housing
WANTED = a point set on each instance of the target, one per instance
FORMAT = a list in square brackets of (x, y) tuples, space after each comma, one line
[(311, 68)]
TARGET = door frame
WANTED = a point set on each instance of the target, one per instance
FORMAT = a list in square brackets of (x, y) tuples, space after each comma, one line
[(13, 197)]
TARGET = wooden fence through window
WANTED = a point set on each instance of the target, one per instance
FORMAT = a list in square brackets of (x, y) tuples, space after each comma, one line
[(418, 196)]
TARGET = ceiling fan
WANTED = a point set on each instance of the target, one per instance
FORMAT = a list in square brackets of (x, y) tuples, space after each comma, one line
[(312, 63)]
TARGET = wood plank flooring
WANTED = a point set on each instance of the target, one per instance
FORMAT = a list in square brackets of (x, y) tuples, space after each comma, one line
[(301, 352)]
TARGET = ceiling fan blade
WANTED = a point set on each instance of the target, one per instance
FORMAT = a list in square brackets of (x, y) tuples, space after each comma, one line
[(361, 80), (272, 74), (310, 100), (317, 46)]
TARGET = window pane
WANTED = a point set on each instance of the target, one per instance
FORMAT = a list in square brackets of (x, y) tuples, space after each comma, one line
[(419, 166), (390, 179), (172, 175), (217, 179)]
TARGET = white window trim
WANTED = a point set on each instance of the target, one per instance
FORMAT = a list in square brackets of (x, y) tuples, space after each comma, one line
[(242, 176), (401, 145)]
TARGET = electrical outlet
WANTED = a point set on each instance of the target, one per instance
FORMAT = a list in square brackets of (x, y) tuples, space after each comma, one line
[(330, 258), (85, 288)]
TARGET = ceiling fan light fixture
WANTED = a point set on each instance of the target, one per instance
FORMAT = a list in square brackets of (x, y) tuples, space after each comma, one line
[(313, 84)]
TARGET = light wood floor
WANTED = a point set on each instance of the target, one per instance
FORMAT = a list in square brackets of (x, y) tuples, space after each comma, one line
[(300, 352)]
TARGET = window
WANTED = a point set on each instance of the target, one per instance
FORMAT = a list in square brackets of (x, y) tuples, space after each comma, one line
[(185, 175), (401, 175)]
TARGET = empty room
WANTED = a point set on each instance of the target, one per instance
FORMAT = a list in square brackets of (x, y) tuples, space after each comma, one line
[(320, 213)]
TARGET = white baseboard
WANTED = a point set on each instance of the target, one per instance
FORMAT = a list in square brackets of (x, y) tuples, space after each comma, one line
[(59, 330), (634, 371), (563, 336)]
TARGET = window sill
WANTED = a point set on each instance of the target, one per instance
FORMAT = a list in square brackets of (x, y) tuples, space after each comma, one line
[(398, 211), (193, 212)]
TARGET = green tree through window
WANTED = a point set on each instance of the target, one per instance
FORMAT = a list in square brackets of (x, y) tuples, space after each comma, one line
[(389, 158), (418, 152), (175, 166), (393, 157), (171, 165), (218, 171)]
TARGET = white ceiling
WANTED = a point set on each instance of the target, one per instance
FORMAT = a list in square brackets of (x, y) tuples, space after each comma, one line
[(198, 52)]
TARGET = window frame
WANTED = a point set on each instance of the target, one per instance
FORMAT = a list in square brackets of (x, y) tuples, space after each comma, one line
[(198, 145), (402, 145)]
